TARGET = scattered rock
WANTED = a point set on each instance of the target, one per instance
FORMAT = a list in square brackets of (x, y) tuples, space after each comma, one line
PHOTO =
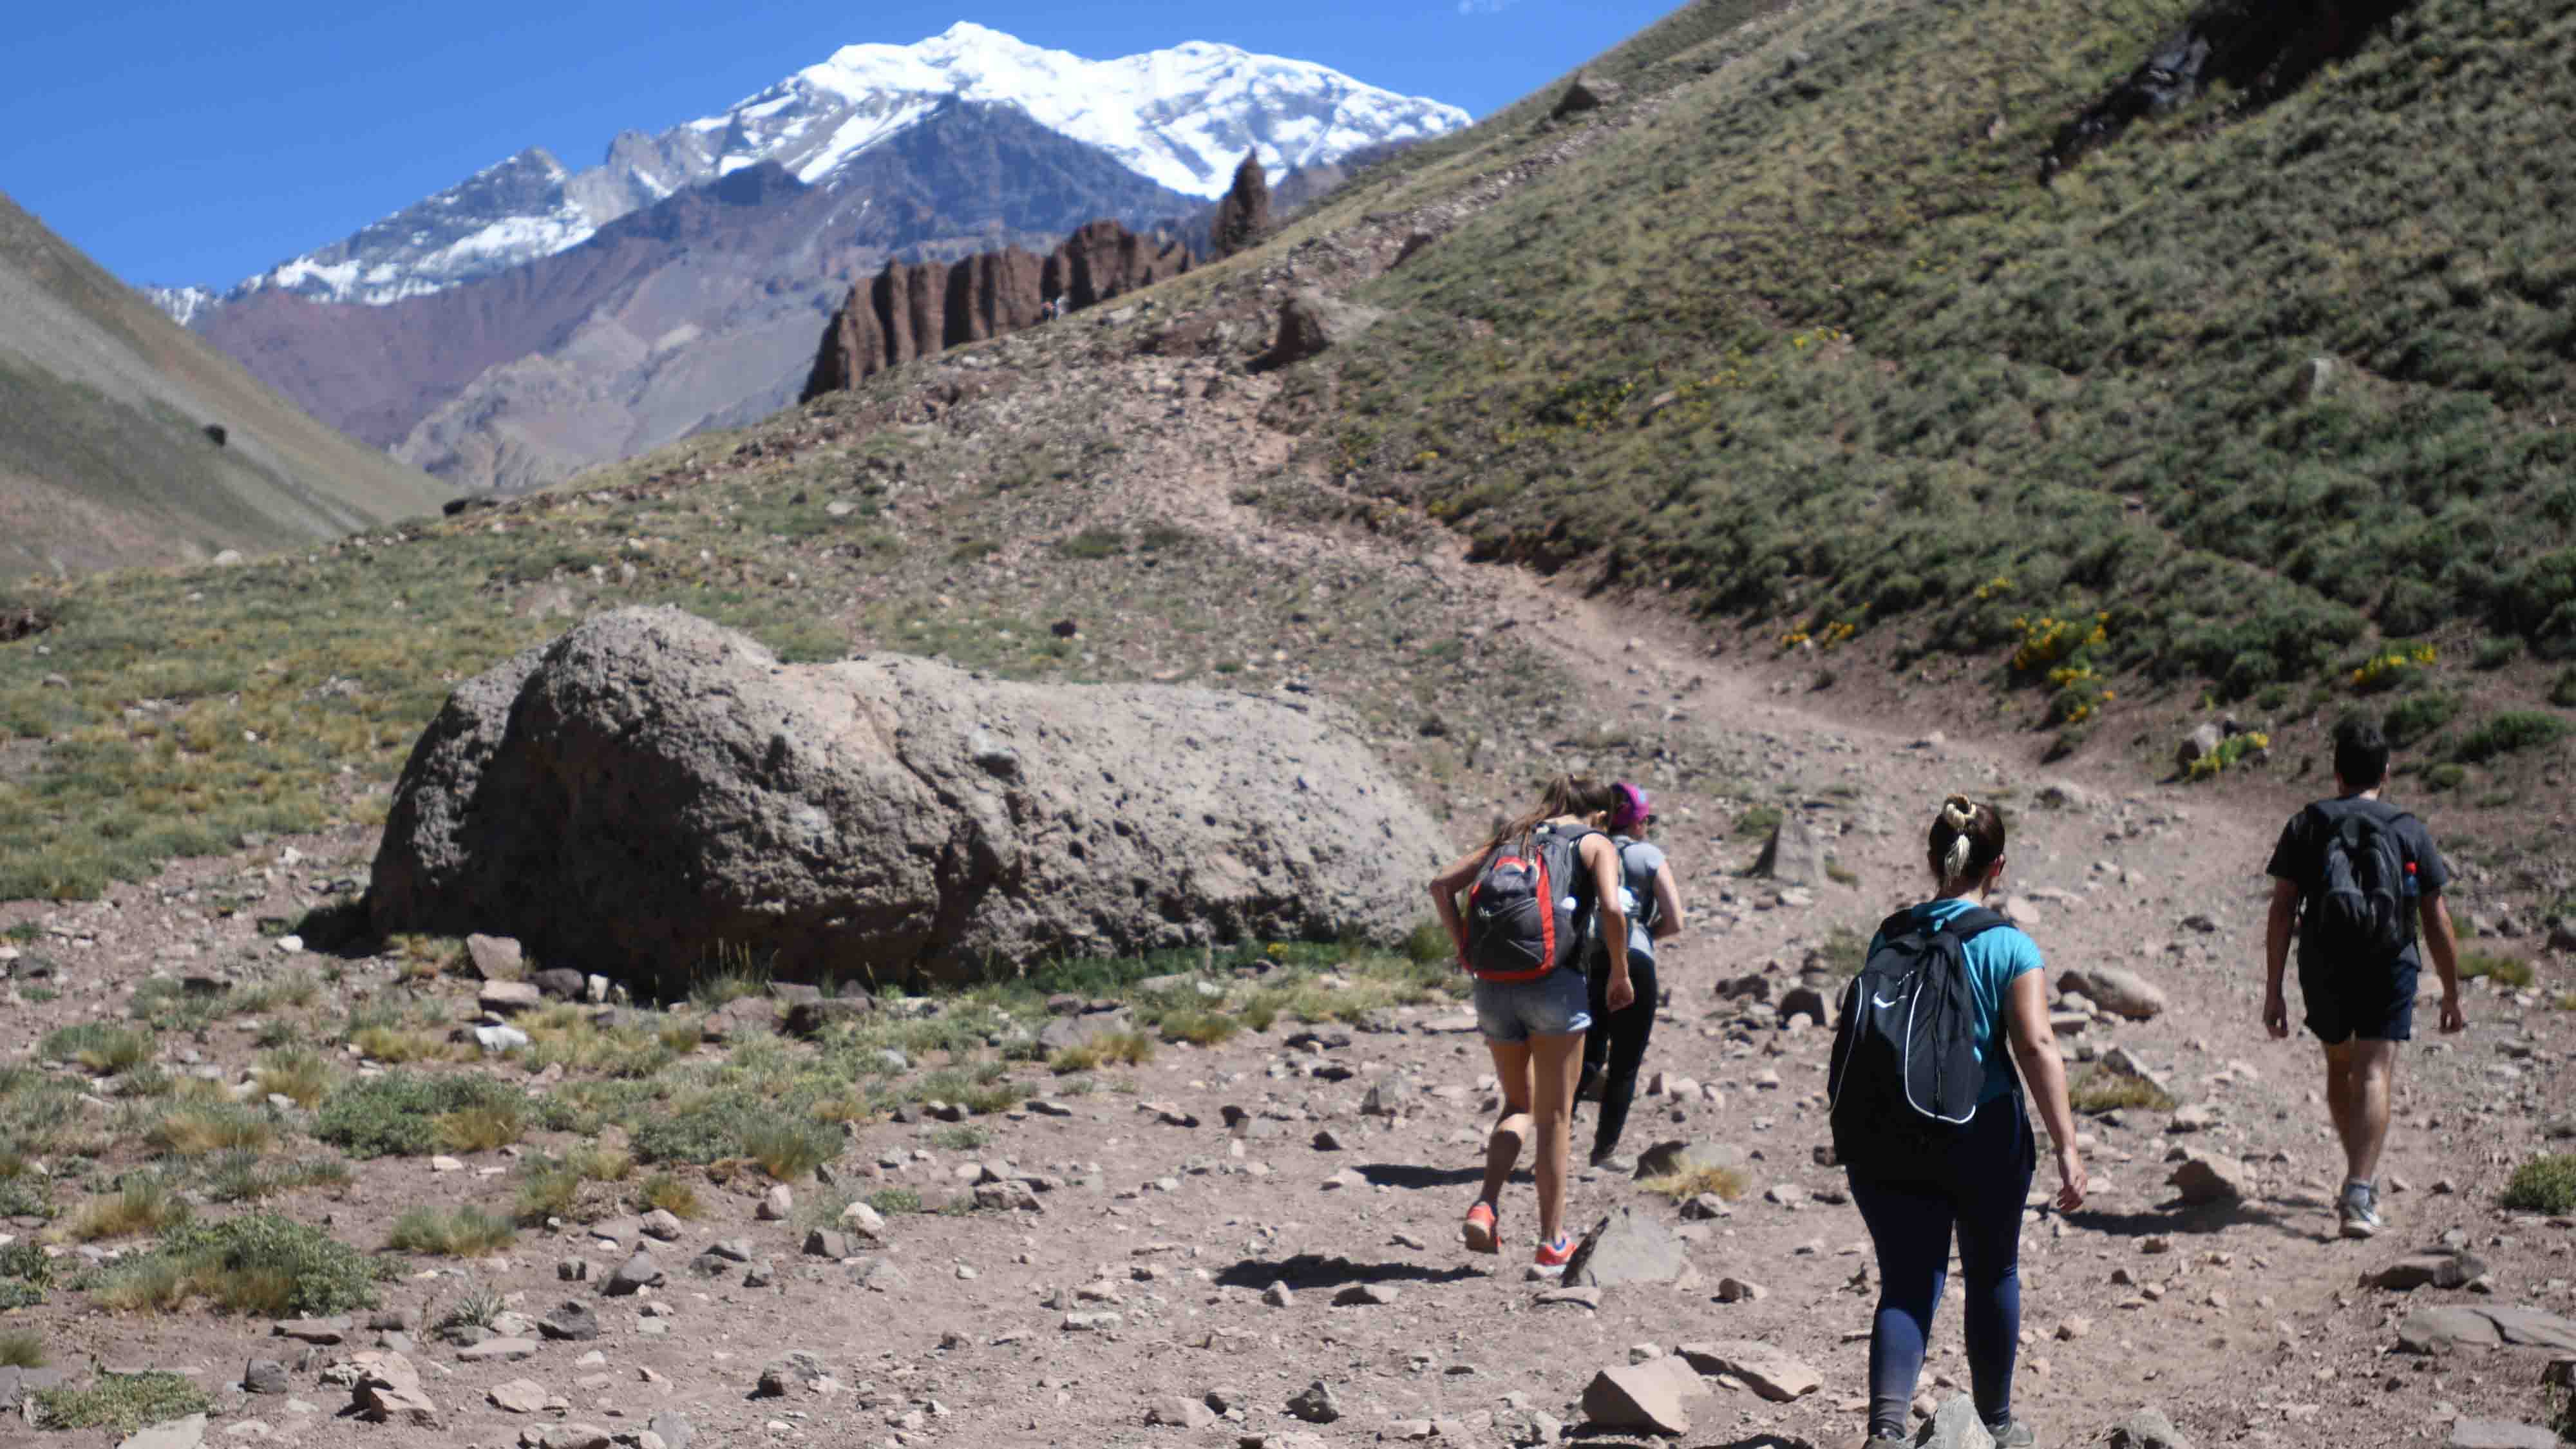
[(2200, 744), (508, 998), (265, 1376), (2501, 1434), (2148, 1429), (1312, 323), (633, 1276), (1955, 1425), (320, 1332), (2450, 1326), (776, 1205), (498, 1350), (1585, 93), (1243, 214), (495, 958), (2452, 1269), (571, 1323), (1627, 1247), (187, 1433), (1642, 1398), (1795, 855), (522, 1396), (2207, 1177), (1316, 1403), (1179, 1413), (1366, 1295), (1671, 1159), (1766, 1370), (798, 1372), (387, 1389), (2117, 990)]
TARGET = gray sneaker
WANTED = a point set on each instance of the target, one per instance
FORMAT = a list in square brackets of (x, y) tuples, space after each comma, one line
[(2358, 1211), (2015, 1435)]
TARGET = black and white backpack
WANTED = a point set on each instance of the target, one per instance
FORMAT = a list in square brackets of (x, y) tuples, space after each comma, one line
[(1905, 1077)]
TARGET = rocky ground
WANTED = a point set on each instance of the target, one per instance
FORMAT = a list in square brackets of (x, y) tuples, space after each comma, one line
[(1255, 1241)]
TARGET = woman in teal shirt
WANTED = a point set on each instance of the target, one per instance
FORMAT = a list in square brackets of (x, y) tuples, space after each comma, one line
[(1980, 1188)]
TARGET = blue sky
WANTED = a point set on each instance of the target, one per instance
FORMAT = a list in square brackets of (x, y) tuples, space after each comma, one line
[(205, 140)]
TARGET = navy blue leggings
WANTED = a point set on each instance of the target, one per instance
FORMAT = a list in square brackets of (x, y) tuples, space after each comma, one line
[(1980, 1192)]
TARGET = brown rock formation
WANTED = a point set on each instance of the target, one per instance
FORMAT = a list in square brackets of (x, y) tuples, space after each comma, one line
[(914, 309), (1243, 215), (1105, 260)]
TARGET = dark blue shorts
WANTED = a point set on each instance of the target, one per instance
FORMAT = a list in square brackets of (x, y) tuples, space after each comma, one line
[(2372, 1004)]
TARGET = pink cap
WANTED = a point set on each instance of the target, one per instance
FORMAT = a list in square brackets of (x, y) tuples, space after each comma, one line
[(1634, 810)]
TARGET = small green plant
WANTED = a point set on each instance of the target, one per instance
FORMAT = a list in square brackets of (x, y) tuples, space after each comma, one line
[(2543, 1185), (960, 1138), (892, 1200), (481, 1126), (2496, 653), (1428, 944), (1758, 822), (1203, 1027), (258, 1264), (1841, 874), (463, 1232), (2417, 716), (23, 1349), (2231, 752), (2562, 690), (2510, 971), (477, 1305), (789, 1148), (100, 1046), (242, 1177), (672, 1194), (121, 1403), (1844, 952), (2101, 1091), (2511, 733), (402, 1115)]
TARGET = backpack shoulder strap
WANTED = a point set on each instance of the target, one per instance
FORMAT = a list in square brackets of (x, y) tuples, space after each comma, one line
[(1973, 922)]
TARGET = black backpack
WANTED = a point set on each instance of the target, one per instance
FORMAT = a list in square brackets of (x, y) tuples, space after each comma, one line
[(2357, 914), (1529, 906), (1905, 1077)]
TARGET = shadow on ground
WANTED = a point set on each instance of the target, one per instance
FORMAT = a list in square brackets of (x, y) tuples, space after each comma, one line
[(1308, 1271), (2175, 1218)]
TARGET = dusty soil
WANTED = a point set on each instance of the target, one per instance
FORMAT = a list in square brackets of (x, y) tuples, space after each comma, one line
[(2245, 1325)]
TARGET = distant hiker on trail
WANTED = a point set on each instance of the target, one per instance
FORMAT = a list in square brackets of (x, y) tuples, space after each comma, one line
[(1531, 893), (1615, 1048), (1929, 1123), (2356, 876)]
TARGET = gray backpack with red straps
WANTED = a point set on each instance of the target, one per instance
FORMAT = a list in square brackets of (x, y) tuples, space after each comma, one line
[(1529, 906)]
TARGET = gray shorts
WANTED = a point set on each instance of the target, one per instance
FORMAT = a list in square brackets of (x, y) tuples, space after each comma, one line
[(1556, 1004)]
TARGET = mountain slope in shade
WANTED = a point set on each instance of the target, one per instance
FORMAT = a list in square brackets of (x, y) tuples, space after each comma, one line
[(1180, 118), (107, 456), (697, 310)]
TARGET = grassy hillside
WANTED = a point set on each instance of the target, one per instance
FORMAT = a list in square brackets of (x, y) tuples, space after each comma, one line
[(104, 454), (1807, 339)]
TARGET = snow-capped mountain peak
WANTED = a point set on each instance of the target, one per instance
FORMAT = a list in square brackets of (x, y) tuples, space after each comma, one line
[(1180, 117)]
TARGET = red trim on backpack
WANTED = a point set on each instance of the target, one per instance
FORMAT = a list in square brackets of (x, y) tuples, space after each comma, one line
[(1546, 917)]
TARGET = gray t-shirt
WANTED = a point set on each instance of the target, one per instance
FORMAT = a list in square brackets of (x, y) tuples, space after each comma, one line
[(1639, 860)]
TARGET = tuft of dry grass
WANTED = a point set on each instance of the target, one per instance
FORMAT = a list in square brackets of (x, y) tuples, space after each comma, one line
[(299, 1074), (2101, 1091), (400, 1046), (23, 1349), (195, 1131), (99, 1046), (143, 1206), (1126, 1048), (481, 1127), (672, 1195), (1726, 1182), (2510, 971), (463, 1232), (1200, 1027)]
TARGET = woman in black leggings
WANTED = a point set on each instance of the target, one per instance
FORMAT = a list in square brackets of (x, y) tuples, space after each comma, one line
[(1616, 1046)]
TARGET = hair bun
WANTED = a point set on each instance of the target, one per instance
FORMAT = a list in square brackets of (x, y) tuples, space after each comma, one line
[(1959, 812)]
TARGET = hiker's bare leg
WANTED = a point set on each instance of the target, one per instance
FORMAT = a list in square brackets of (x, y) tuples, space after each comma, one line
[(2340, 1078), (1555, 1062), (1503, 1148), (2373, 1069)]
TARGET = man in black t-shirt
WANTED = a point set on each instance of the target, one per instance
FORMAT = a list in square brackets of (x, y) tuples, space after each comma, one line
[(2360, 1008)]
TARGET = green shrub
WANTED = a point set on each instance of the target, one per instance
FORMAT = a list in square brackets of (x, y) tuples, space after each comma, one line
[(892, 1200), (299, 1074), (2511, 733), (144, 1204), (1428, 944), (2544, 1185), (2562, 690), (400, 1114), (258, 1264), (462, 1232), (98, 1045), (2417, 716), (2486, 965), (23, 1349), (789, 1147), (1198, 1026), (122, 1403), (2445, 776), (672, 1194)]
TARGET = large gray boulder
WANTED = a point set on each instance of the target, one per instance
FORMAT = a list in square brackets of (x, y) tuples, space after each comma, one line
[(651, 790)]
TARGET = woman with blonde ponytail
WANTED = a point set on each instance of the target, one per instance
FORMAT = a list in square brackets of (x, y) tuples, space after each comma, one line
[(1977, 1184)]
